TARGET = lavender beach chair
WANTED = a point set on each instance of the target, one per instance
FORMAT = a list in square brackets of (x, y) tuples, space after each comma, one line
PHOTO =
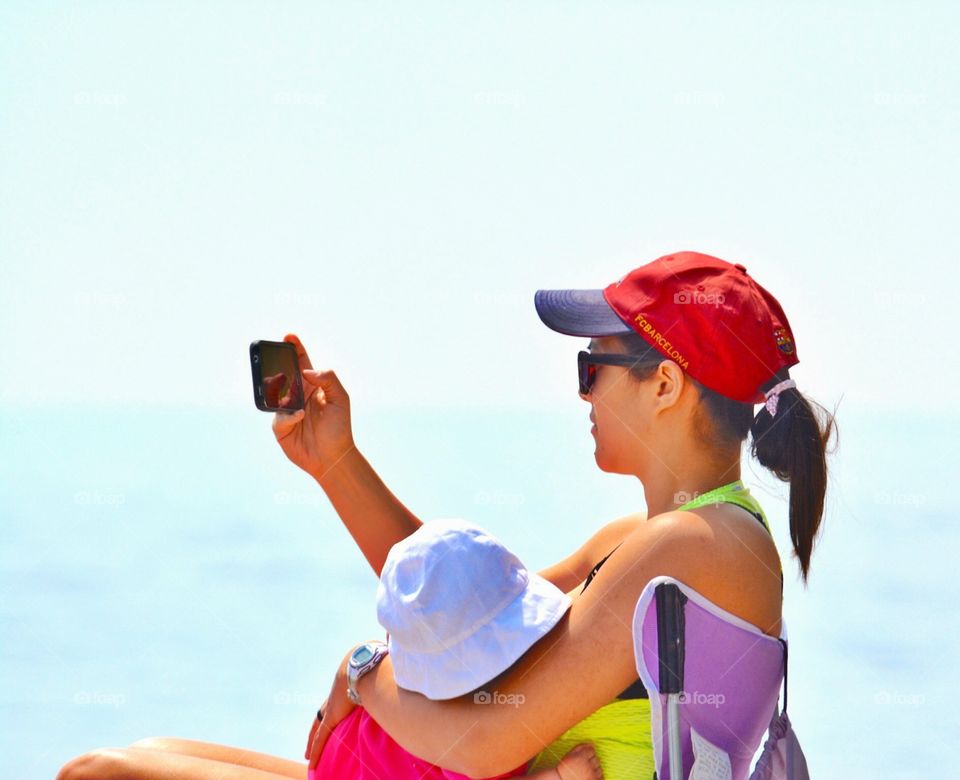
[(714, 684)]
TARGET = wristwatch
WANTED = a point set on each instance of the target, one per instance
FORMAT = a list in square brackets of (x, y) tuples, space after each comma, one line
[(362, 660)]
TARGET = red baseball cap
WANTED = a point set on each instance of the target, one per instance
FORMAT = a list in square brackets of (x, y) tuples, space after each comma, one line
[(707, 315)]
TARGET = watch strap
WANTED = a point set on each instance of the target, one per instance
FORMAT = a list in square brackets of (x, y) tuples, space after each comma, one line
[(354, 673)]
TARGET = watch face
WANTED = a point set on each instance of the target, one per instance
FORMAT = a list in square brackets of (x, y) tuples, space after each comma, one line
[(361, 655)]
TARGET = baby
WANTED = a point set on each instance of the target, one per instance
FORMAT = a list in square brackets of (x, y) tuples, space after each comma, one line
[(459, 609)]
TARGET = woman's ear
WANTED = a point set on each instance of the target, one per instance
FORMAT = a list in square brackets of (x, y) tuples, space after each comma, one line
[(668, 382)]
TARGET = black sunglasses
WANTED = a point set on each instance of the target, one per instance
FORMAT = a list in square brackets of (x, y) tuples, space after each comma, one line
[(587, 365)]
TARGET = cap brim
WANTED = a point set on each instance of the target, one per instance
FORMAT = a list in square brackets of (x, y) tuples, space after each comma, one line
[(579, 313)]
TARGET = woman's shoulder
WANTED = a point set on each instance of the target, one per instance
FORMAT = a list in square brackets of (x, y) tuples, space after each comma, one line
[(708, 543), (635, 538), (613, 533), (736, 537), (723, 553), (717, 526)]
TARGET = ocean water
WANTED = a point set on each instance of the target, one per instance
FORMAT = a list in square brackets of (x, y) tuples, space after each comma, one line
[(166, 571)]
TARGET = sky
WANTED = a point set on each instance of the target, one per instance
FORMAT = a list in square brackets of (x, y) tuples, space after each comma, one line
[(394, 183)]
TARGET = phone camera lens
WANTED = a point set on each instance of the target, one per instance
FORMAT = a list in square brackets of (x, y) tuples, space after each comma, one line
[(256, 358)]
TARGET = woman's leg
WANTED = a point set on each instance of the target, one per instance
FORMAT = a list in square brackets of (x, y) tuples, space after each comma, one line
[(230, 755), (144, 763)]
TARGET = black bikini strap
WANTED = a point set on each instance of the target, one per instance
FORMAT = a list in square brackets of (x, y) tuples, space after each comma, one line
[(596, 568)]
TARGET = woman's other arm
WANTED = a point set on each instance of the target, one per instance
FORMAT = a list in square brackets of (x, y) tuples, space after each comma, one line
[(581, 665), (573, 570)]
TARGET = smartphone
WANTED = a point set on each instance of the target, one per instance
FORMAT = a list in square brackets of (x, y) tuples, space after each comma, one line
[(277, 385)]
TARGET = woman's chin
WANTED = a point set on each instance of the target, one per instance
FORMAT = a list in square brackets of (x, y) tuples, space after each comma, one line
[(599, 456)]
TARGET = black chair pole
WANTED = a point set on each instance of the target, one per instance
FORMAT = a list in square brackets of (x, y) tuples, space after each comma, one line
[(670, 640)]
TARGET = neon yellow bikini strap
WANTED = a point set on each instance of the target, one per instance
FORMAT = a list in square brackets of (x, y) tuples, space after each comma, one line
[(732, 493)]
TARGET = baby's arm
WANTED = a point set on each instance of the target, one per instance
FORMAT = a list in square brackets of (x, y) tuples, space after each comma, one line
[(581, 763)]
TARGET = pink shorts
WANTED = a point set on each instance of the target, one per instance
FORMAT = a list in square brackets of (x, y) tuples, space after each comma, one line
[(358, 749)]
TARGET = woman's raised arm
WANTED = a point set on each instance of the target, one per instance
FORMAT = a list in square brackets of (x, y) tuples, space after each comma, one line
[(319, 439), (581, 665), (374, 516)]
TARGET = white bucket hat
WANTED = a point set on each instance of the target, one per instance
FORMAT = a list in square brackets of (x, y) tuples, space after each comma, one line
[(460, 608)]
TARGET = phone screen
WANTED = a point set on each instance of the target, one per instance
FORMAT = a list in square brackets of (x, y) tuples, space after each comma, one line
[(277, 386)]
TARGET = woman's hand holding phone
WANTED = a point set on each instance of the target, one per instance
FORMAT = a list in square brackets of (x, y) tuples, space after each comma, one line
[(319, 435)]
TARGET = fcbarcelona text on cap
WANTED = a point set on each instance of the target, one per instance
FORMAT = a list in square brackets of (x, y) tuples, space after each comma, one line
[(654, 334)]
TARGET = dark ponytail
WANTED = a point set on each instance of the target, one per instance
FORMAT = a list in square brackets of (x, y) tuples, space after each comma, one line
[(793, 445)]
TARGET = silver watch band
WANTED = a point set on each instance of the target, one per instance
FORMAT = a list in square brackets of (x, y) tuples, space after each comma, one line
[(375, 652)]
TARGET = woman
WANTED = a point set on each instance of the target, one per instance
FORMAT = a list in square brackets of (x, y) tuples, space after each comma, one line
[(681, 350)]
